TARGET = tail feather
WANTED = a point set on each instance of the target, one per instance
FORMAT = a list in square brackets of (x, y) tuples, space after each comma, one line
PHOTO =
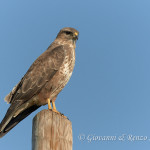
[(10, 121)]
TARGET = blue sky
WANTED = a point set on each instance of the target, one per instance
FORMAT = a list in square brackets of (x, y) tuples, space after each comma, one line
[(109, 92)]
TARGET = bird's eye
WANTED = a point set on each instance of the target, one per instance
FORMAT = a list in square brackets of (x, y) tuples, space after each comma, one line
[(68, 32)]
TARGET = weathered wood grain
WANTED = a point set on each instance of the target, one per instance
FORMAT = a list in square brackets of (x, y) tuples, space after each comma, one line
[(51, 131)]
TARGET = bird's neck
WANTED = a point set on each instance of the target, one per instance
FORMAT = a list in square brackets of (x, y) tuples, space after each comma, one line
[(60, 41)]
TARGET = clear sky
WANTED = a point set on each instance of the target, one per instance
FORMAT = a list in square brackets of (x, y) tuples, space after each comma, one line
[(109, 91)]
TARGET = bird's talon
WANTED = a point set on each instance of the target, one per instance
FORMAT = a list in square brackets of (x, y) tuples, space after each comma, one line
[(55, 111), (59, 113), (63, 115)]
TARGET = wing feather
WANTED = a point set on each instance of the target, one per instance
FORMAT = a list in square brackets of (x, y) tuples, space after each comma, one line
[(40, 72)]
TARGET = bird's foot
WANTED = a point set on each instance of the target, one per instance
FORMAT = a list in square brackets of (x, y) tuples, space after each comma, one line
[(64, 116), (54, 110)]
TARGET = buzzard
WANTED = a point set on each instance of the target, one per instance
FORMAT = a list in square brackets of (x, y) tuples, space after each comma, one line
[(46, 77)]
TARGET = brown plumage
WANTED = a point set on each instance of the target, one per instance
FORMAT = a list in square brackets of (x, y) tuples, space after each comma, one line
[(46, 77)]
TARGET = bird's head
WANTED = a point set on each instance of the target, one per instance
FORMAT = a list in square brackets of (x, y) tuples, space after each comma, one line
[(68, 34)]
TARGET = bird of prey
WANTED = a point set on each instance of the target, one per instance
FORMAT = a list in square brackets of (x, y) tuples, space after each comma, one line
[(41, 84)]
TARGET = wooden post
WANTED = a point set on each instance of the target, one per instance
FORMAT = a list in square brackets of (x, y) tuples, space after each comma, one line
[(51, 131)]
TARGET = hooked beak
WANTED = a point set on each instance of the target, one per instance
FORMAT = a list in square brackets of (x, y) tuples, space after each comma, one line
[(76, 34)]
